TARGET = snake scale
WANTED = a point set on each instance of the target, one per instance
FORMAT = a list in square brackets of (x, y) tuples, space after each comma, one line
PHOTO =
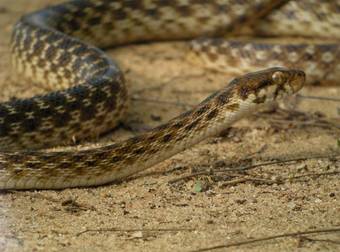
[(59, 47)]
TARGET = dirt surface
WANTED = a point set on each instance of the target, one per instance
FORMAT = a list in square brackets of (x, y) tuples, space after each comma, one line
[(159, 209)]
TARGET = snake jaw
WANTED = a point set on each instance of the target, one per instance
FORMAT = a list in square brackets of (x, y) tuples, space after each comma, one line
[(297, 81), (287, 82)]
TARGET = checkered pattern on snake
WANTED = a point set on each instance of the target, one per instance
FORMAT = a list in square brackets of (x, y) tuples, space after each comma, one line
[(58, 47)]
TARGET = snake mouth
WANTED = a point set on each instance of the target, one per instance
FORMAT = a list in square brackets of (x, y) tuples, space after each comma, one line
[(298, 80)]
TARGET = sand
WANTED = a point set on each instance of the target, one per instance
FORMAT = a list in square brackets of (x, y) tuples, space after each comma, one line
[(159, 209)]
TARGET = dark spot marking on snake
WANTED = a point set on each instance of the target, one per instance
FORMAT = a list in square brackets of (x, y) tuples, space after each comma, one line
[(213, 113), (72, 106), (101, 7), (18, 116), (63, 165), (110, 104), (192, 125), (153, 13), (95, 20), (185, 10), (166, 2), (308, 56), (41, 63), (327, 47), (32, 165), (91, 57), (67, 74), (73, 25), (133, 141), (259, 100), (117, 158), (242, 19), (178, 124), (153, 136), (139, 151), (244, 91), (51, 53), (47, 133), (88, 112), (119, 14), (263, 47), (79, 157), (233, 106), (53, 38), (27, 43), (30, 125), (179, 137), (75, 126), (55, 100), (202, 109), (124, 149), (80, 14), (80, 50), (38, 47), (61, 118), (294, 48), (133, 4), (46, 158), (152, 151), (166, 138), (212, 56), (100, 155), (223, 98), (25, 105), (98, 96), (99, 120), (3, 111), (4, 129), (14, 158), (64, 59), (90, 163), (18, 172), (33, 138)]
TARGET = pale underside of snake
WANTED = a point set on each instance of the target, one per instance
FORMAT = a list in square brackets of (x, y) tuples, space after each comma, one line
[(57, 47)]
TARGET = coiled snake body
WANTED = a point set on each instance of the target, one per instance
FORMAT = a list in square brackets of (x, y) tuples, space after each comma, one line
[(90, 96)]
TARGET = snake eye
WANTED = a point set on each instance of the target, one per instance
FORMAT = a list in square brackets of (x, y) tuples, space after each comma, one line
[(279, 77)]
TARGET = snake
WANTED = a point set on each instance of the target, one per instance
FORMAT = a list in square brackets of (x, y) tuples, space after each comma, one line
[(63, 47)]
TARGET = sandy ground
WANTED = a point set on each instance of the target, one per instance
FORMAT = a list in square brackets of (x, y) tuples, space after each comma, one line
[(159, 209)]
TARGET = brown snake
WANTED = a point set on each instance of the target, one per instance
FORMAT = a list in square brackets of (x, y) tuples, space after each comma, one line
[(90, 96)]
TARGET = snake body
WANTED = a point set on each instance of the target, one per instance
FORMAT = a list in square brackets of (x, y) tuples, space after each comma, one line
[(49, 48)]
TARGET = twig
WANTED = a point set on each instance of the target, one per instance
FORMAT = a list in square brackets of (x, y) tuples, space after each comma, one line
[(200, 173), (326, 230), (313, 174), (136, 230), (321, 240), (318, 98), (319, 123), (249, 167), (251, 178), (172, 181)]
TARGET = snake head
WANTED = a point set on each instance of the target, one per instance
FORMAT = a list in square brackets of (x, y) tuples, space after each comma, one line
[(269, 85), (288, 81)]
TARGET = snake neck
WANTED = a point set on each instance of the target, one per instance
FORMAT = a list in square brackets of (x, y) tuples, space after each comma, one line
[(114, 162)]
